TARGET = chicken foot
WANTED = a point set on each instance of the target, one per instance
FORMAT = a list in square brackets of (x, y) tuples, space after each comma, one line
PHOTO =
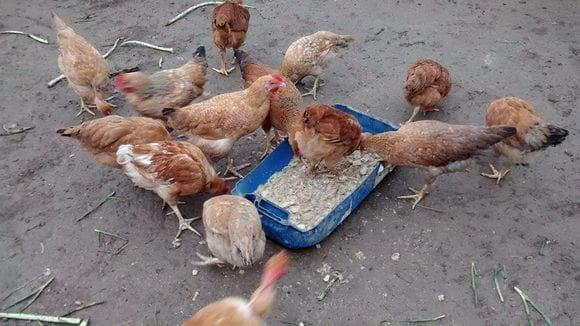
[(183, 225), (208, 260), (416, 111), (497, 174), (431, 175), (223, 70), (84, 108), (314, 89), (235, 169)]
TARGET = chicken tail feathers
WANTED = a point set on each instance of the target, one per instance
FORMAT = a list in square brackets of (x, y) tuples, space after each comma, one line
[(501, 132), (199, 52), (68, 132), (555, 136), (57, 23), (125, 154)]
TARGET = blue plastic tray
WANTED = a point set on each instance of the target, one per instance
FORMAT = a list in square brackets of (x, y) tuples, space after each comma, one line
[(275, 219)]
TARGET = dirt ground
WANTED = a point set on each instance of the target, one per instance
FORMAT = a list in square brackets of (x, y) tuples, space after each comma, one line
[(529, 224)]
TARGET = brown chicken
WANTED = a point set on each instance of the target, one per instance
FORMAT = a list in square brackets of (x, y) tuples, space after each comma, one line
[(327, 136), (235, 311), (84, 67), (233, 231), (285, 105), (427, 83), (170, 88), (102, 137), (216, 124), (433, 146), (171, 169), (533, 134), (229, 25), (309, 55)]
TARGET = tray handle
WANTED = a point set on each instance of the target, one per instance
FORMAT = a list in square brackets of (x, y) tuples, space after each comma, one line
[(269, 209)]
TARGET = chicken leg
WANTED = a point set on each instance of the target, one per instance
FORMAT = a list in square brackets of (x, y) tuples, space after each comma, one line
[(208, 260), (314, 89), (235, 169), (497, 174), (416, 111), (183, 225), (223, 70), (84, 108)]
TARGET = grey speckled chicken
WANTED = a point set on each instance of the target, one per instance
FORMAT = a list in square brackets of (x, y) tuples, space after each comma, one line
[(233, 230)]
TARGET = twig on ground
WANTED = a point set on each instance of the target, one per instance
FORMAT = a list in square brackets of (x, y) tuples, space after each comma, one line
[(124, 71), (416, 321), (336, 277), (48, 319), (85, 215), (431, 208), (526, 300), (155, 321), (100, 233), (13, 129), (201, 5), (46, 273), (32, 36), (88, 305), (497, 273), (473, 272), (32, 296), (147, 45), (160, 63)]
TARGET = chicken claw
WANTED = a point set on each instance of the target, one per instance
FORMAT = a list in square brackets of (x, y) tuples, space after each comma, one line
[(418, 196), (314, 89), (496, 174), (224, 71), (208, 260), (183, 225), (84, 108), (416, 110), (234, 169)]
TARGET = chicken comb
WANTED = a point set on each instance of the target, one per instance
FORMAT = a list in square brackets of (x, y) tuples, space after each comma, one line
[(278, 77)]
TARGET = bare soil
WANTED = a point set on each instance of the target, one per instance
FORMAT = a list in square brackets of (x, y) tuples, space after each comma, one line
[(529, 224)]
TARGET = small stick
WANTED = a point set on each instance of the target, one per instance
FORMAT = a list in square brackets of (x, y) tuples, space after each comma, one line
[(147, 45), (431, 208), (55, 81), (48, 319), (14, 131), (46, 273), (160, 64), (32, 36), (37, 294), (324, 293), (155, 321), (417, 321), (528, 300), (200, 5), (111, 195), (473, 273), (525, 303), (112, 235), (88, 305), (124, 71), (496, 282)]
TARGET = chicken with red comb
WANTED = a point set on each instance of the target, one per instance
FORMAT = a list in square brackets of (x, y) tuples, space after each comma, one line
[(234, 311)]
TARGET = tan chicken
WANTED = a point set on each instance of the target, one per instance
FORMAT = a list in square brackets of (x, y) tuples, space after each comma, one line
[(171, 169), (328, 135), (533, 134), (285, 105), (435, 147), (427, 83), (216, 124), (233, 231), (170, 88), (234, 311), (229, 25), (309, 55), (102, 137), (84, 67)]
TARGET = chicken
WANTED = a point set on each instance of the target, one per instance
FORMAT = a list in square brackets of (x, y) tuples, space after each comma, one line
[(234, 311), (170, 88), (427, 83), (229, 25), (233, 231), (85, 69), (171, 169), (285, 105), (216, 124), (102, 137), (533, 134), (310, 54), (327, 136), (435, 147)]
